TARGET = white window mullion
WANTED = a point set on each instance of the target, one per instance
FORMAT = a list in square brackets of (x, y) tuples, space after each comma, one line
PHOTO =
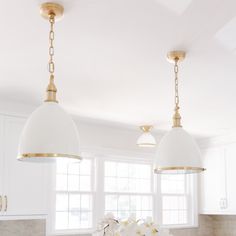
[(99, 200), (157, 199)]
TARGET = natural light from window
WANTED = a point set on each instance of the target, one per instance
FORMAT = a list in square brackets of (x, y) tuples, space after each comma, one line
[(73, 195), (174, 199), (86, 191), (128, 189)]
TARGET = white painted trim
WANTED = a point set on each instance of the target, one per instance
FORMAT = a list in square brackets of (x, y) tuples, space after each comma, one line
[(72, 232), (23, 217)]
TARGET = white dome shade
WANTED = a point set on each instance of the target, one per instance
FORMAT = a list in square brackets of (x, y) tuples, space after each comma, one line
[(146, 139), (49, 133), (178, 153)]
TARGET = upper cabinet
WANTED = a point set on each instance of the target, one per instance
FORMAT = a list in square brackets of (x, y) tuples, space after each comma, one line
[(217, 183), (230, 154), (212, 184), (23, 186), (1, 165)]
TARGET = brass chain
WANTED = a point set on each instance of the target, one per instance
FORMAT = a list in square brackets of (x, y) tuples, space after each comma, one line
[(51, 88), (51, 65), (176, 70), (176, 117)]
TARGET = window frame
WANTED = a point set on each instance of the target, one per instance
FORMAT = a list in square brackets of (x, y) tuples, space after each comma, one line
[(52, 221), (98, 194), (137, 161), (191, 182)]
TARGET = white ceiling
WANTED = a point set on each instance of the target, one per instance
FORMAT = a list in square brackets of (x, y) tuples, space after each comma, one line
[(110, 60)]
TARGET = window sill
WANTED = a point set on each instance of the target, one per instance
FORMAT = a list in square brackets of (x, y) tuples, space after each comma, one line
[(173, 227), (72, 232)]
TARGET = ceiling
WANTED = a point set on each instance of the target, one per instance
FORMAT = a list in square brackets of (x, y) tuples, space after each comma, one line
[(110, 60)]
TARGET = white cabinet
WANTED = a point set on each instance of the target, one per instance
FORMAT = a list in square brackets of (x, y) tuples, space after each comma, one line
[(218, 182), (1, 167), (230, 153), (213, 182), (23, 186)]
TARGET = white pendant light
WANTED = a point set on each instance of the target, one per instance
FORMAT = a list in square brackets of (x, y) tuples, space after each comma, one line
[(177, 151), (49, 132), (146, 139)]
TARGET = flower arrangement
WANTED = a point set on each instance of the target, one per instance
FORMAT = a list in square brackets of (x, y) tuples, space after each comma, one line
[(110, 226)]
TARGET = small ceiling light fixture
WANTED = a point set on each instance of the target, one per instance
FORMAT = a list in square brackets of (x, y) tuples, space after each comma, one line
[(49, 132), (146, 139), (177, 153)]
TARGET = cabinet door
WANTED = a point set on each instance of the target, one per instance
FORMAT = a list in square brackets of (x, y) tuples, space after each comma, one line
[(230, 152), (1, 165), (213, 182), (24, 183)]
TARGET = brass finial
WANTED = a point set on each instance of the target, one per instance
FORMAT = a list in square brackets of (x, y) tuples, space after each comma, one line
[(176, 118), (51, 91)]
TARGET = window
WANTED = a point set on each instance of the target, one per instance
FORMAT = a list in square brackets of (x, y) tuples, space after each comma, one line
[(86, 191), (176, 200), (128, 189), (74, 195)]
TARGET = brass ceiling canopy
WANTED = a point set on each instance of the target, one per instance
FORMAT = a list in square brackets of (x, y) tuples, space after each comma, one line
[(174, 56), (146, 128), (50, 8)]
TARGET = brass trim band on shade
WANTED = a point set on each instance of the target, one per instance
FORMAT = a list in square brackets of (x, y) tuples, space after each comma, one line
[(146, 144), (186, 168), (47, 155)]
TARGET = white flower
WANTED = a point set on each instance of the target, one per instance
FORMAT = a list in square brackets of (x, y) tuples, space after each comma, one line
[(109, 226)]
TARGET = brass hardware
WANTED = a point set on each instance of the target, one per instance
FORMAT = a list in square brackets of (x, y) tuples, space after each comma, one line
[(172, 56), (176, 118), (51, 91), (50, 8), (48, 155), (6, 203), (161, 170), (51, 12), (51, 65), (0, 203), (175, 57), (145, 128)]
